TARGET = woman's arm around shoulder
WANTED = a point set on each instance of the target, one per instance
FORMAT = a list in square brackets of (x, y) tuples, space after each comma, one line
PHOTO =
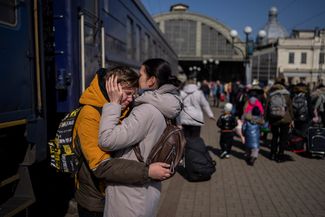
[(132, 130)]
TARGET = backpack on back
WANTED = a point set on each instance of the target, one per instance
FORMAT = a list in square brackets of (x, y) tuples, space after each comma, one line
[(300, 107), (63, 155), (277, 105), (168, 149)]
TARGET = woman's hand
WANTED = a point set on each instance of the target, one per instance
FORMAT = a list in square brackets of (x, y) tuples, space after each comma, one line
[(114, 90), (159, 171)]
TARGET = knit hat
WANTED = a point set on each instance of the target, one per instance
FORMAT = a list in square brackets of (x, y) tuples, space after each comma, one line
[(256, 111), (228, 107)]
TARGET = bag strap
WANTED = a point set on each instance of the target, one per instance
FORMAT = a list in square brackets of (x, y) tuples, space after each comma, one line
[(82, 156), (188, 113), (137, 152), (94, 180)]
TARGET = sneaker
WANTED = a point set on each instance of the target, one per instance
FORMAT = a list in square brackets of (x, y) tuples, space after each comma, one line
[(223, 154), (227, 156), (251, 161)]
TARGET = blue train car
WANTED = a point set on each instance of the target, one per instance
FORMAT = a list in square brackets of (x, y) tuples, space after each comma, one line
[(49, 52)]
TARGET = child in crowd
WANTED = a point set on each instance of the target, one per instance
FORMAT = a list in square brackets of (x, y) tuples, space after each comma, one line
[(251, 130), (227, 122)]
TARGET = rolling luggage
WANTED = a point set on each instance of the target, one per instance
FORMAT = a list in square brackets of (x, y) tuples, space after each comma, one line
[(316, 141)]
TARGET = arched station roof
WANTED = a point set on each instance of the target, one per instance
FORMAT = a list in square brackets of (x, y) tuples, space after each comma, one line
[(196, 37)]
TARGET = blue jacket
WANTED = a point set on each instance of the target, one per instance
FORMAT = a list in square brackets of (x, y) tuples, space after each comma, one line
[(251, 131)]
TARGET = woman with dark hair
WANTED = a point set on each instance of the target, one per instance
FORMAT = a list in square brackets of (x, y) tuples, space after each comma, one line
[(98, 166), (144, 126)]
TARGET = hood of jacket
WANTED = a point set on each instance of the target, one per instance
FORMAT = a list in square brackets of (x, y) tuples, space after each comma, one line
[(283, 91), (190, 88), (279, 88), (93, 95), (300, 88), (166, 99)]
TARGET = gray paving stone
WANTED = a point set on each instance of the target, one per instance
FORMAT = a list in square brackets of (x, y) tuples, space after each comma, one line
[(294, 188)]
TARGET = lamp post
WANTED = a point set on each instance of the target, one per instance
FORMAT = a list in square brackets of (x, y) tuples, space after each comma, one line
[(194, 70), (210, 62), (249, 47)]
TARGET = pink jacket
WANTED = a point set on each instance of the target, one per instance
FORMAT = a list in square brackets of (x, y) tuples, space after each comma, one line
[(251, 103)]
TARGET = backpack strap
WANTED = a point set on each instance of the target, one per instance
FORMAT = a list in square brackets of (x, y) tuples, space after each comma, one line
[(136, 147), (82, 162), (137, 152), (82, 156), (188, 113)]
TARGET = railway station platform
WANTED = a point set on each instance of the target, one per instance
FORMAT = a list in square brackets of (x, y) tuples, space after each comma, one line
[(294, 188)]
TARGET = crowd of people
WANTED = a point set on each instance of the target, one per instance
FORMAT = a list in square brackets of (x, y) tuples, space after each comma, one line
[(252, 111), (123, 108)]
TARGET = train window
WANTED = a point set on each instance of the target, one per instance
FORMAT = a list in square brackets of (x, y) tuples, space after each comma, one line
[(92, 7), (154, 49), (146, 46), (138, 43), (130, 33), (8, 12), (106, 6)]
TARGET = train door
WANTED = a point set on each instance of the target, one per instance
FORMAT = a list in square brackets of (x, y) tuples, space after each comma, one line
[(16, 61), (90, 39), (20, 105)]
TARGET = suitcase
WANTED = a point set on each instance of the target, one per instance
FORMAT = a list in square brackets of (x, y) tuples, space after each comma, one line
[(316, 141)]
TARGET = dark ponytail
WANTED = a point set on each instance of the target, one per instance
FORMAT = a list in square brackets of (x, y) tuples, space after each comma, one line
[(160, 69)]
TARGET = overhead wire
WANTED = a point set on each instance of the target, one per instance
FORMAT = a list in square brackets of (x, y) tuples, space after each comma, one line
[(309, 18)]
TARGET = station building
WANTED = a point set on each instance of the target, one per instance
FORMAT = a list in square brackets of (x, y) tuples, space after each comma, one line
[(296, 57), (203, 45)]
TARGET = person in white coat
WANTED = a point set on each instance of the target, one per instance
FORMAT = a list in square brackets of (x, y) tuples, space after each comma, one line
[(194, 103), (144, 126)]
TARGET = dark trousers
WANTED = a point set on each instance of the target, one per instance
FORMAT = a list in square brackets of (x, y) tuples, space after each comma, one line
[(216, 100), (191, 131), (280, 136), (86, 213), (226, 141), (322, 115)]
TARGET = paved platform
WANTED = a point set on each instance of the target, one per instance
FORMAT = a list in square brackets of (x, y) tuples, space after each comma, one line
[(295, 188)]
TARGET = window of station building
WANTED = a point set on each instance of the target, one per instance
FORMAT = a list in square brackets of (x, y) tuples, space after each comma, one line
[(129, 40), (303, 58), (182, 35), (138, 43), (8, 12), (321, 58), (213, 42), (291, 58)]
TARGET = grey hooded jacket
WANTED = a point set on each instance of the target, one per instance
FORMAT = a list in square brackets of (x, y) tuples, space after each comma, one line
[(144, 125), (194, 102)]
